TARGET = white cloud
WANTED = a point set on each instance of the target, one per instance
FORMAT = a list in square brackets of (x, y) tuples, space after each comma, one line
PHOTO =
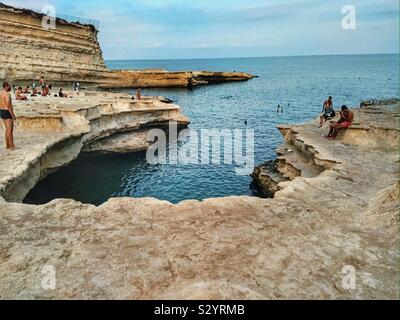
[(36, 5)]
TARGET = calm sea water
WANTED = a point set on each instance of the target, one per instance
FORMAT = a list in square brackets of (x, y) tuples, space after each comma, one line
[(302, 82)]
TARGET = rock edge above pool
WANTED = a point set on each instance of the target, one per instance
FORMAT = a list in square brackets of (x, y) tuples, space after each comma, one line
[(51, 132), (299, 245)]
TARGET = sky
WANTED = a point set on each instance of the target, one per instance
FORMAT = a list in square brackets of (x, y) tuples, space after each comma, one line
[(176, 29)]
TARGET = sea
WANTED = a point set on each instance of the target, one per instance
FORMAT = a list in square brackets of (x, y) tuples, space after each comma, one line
[(298, 84)]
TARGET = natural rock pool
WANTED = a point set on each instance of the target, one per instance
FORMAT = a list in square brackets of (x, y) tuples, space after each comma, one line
[(302, 82)]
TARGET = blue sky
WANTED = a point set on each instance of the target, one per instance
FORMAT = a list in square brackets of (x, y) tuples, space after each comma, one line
[(173, 29)]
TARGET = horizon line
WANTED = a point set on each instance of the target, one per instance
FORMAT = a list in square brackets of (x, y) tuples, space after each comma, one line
[(258, 57)]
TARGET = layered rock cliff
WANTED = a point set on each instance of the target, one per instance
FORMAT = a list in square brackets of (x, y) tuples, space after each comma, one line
[(71, 52)]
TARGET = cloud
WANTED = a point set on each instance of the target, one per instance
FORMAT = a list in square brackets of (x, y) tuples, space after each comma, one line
[(36, 5), (181, 28)]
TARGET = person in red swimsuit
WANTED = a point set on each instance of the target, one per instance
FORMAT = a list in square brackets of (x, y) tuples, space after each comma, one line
[(345, 121)]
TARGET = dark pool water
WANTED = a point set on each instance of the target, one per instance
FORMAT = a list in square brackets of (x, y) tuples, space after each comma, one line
[(302, 82)]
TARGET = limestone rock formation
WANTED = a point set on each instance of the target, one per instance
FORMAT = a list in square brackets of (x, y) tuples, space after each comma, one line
[(301, 160), (267, 178), (127, 142), (51, 132), (299, 245), (71, 52)]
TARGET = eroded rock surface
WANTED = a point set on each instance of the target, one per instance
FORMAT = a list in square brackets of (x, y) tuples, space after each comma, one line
[(293, 246), (51, 132)]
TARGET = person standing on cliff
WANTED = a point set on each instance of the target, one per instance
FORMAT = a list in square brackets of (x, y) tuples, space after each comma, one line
[(138, 94), (42, 83), (7, 114)]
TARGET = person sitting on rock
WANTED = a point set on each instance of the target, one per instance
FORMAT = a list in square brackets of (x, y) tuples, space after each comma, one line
[(61, 94), (19, 96), (327, 111), (45, 91), (345, 121), (76, 86), (26, 90), (34, 92)]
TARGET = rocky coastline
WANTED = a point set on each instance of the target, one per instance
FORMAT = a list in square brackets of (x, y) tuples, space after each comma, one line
[(51, 132), (333, 206), (337, 210), (70, 52)]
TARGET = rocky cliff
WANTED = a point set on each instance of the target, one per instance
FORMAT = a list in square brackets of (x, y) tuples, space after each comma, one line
[(71, 52)]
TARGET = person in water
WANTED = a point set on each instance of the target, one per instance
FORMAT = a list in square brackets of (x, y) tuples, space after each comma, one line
[(7, 114), (345, 121), (327, 111), (19, 96)]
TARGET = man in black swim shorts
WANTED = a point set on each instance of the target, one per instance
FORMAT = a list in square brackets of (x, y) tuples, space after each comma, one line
[(7, 114)]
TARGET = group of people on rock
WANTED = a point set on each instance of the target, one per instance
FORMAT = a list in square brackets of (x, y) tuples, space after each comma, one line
[(39, 88), (346, 118), (41, 85), (21, 93), (6, 106), (345, 121)]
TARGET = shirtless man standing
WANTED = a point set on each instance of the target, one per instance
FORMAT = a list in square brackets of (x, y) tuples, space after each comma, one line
[(7, 114)]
